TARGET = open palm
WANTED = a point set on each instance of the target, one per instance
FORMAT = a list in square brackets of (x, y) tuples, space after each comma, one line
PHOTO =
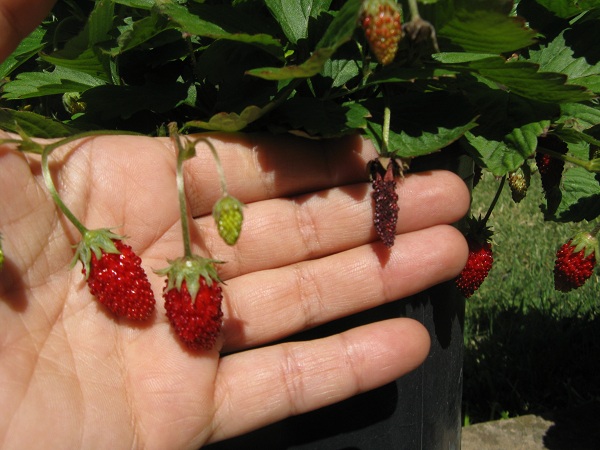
[(71, 375)]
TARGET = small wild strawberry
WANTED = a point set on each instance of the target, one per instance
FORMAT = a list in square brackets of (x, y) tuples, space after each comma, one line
[(480, 260), (228, 216), (381, 21), (385, 198), (193, 301), (575, 262), (114, 275)]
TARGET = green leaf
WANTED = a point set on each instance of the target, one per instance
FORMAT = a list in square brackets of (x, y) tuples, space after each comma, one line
[(524, 79), (29, 47), (573, 52), (580, 197), (504, 156), (33, 124), (39, 84), (461, 57), (111, 101), (421, 123), (339, 32), (321, 118), (508, 128), (579, 116), (81, 53), (191, 21), (294, 16), (86, 62), (486, 31), (568, 8), (140, 4), (228, 121), (140, 32)]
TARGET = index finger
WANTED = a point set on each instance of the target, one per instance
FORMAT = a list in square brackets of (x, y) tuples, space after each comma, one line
[(18, 18)]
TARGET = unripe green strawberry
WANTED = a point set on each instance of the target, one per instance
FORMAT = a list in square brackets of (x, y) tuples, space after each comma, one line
[(519, 181), (228, 216), (575, 262), (114, 275), (381, 21), (193, 301)]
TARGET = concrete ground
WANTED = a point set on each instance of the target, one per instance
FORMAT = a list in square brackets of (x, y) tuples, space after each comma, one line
[(577, 429)]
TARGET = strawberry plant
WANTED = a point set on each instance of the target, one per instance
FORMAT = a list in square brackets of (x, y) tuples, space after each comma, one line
[(514, 85)]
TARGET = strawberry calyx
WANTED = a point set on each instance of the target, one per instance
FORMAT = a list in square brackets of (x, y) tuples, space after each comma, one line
[(478, 231), (585, 241), (97, 242), (190, 269)]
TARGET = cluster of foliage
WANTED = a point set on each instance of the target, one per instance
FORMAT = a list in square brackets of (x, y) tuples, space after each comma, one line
[(499, 77)]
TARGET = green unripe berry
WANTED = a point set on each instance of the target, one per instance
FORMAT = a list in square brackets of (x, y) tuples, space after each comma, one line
[(228, 216)]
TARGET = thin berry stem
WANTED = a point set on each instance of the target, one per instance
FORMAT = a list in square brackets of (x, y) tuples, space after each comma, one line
[(494, 201), (414, 9), (46, 150), (54, 193), (183, 153), (220, 171), (385, 126)]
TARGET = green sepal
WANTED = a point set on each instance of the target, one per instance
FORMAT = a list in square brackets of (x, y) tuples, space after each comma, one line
[(95, 241), (585, 241), (229, 216), (190, 269), (478, 230)]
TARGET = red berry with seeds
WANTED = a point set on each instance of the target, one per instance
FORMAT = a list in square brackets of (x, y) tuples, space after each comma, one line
[(480, 260), (381, 21), (193, 300), (575, 262), (115, 276), (385, 198)]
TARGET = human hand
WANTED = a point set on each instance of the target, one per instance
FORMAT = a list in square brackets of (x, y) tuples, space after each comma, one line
[(74, 376), (18, 18)]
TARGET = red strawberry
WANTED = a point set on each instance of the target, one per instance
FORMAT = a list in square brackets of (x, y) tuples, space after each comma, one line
[(193, 301), (115, 276), (381, 21), (386, 200), (480, 260), (575, 262)]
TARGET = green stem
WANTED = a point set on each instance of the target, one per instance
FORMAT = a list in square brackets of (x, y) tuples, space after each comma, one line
[(494, 201), (183, 210), (385, 126), (595, 230), (414, 9), (220, 171), (54, 194)]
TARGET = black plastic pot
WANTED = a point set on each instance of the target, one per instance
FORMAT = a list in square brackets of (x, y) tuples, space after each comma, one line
[(421, 410)]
